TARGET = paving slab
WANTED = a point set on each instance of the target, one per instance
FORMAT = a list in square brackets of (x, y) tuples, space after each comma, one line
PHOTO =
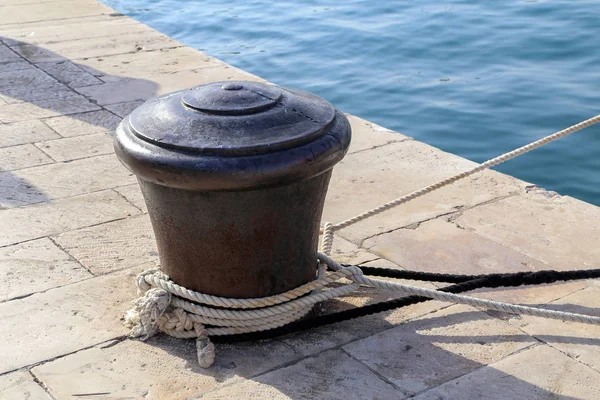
[(59, 180), (7, 55), (124, 108), (73, 148), (84, 123), (346, 252), (45, 108), (23, 78), (112, 246), (64, 320), (558, 230), (69, 73), (540, 373), (36, 221), (431, 350), (7, 66), (370, 178), (21, 386), (133, 194), (161, 368), (93, 47), (368, 135), (22, 156), (317, 340), (32, 12), (130, 89), (42, 32), (439, 246), (146, 63), (35, 266), (25, 132), (37, 93), (331, 375), (579, 341)]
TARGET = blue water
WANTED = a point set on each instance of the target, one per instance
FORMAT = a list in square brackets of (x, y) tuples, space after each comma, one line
[(474, 78)]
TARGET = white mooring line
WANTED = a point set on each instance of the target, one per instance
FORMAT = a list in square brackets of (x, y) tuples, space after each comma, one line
[(183, 313)]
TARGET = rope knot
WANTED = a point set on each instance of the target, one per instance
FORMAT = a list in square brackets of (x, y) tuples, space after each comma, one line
[(143, 318)]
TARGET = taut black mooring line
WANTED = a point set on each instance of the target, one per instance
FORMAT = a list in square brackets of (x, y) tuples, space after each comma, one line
[(463, 283)]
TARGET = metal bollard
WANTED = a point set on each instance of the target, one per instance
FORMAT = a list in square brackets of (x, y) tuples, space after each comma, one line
[(234, 175)]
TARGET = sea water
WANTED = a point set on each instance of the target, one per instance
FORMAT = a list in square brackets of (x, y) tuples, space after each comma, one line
[(474, 78)]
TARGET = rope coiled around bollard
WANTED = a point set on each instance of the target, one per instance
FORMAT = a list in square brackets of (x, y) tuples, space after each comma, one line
[(183, 313), (162, 309)]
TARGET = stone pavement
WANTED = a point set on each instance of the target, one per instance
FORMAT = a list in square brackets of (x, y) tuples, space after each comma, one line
[(73, 235)]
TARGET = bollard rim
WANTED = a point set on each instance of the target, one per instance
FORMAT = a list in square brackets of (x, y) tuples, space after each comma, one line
[(204, 172)]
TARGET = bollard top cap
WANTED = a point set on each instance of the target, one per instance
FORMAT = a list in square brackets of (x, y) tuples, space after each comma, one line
[(234, 118), (203, 130)]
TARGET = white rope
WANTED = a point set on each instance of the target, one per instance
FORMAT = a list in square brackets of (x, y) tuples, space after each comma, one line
[(184, 313), (488, 164), (160, 309)]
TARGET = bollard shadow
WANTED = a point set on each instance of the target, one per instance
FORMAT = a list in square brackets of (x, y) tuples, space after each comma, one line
[(53, 84), (47, 91), (423, 359)]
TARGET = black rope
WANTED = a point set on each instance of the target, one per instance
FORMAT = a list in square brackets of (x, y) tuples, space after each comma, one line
[(463, 283), (528, 277)]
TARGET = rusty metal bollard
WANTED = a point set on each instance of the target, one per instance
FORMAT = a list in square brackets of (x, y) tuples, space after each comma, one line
[(234, 175)]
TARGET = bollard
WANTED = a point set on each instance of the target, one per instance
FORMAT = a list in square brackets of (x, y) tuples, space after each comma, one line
[(234, 175)]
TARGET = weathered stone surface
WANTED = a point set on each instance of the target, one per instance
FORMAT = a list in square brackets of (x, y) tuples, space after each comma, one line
[(94, 47), (540, 373), (69, 73), (25, 132), (35, 94), (21, 386), (161, 368), (442, 247), (326, 337), (371, 178), (112, 246), (125, 108), (367, 135), (558, 230), (133, 194), (58, 180), (7, 55), (78, 147), (7, 66), (331, 375), (346, 252), (439, 246), (84, 123), (26, 223), (147, 63), (379, 169), (64, 320), (34, 266), (42, 32), (124, 90), (18, 14), (434, 349), (129, 89), (23, 156), (45, 108), (31, 85), (23, 78), (579, 341)]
